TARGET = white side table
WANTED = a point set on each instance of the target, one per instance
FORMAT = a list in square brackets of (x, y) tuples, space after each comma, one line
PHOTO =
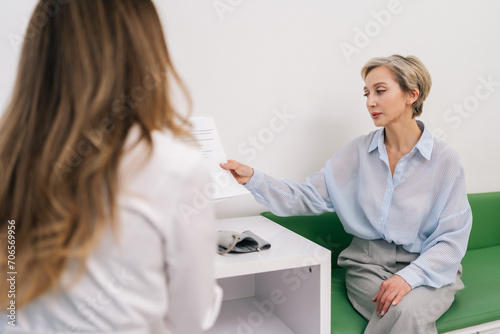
[(285, 289)]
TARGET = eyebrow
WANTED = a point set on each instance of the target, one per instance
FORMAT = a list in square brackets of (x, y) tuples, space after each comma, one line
[(376, 84)]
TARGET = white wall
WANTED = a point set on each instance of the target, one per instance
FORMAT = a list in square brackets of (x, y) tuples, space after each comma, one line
[(247, 61)]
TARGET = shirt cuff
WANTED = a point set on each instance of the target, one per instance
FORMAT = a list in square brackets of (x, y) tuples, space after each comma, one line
[(411, 276), (255, 181)]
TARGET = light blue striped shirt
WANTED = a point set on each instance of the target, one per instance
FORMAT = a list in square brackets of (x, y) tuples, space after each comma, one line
[(423, 206)]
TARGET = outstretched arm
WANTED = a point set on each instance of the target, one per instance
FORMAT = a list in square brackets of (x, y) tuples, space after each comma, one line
[(284, 197)]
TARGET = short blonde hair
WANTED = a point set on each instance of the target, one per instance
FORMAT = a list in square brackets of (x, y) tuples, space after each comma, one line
[(409, 72)]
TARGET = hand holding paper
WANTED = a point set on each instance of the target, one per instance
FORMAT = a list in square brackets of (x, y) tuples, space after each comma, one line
[(208, 141), (242, 173)]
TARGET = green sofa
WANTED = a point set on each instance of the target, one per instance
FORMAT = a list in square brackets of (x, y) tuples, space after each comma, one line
[(477, 304)]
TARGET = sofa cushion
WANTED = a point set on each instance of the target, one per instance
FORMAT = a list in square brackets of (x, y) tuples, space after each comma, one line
[(345, 319), (479, 302)]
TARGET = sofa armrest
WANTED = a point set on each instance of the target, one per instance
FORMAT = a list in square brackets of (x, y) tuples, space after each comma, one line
[(485, 220)]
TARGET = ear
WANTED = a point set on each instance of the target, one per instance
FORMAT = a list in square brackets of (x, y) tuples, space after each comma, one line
[(412, 96)]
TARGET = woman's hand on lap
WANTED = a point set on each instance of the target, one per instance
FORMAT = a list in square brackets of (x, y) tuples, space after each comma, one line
[(391, 292)]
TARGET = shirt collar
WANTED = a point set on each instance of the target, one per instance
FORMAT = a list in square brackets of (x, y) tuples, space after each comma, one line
[(424, 144)]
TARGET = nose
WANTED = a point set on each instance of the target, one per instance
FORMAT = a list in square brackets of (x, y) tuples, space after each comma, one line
[(371, 102)]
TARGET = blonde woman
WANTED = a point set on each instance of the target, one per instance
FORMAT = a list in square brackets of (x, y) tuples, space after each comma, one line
[(400, 192), (96, 184)]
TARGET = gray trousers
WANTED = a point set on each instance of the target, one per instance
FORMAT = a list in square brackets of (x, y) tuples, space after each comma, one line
[(368, 264)]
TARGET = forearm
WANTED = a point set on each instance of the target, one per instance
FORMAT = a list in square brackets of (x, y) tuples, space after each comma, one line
[(442, 253), (288, 198)]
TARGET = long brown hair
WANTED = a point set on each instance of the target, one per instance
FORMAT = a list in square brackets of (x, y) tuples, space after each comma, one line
[(89, 71)]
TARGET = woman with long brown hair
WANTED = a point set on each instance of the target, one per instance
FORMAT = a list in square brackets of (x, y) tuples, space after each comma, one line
[(96, 191)]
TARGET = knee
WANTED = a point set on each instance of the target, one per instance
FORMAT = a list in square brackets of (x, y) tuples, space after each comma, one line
[(408, 316), (420, 315)]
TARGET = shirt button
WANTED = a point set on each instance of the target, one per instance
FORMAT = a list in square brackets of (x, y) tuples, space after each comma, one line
[(388, 190), (381, 219)]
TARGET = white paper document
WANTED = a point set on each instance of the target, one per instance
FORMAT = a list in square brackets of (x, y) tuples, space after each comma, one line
[(207, 140)]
